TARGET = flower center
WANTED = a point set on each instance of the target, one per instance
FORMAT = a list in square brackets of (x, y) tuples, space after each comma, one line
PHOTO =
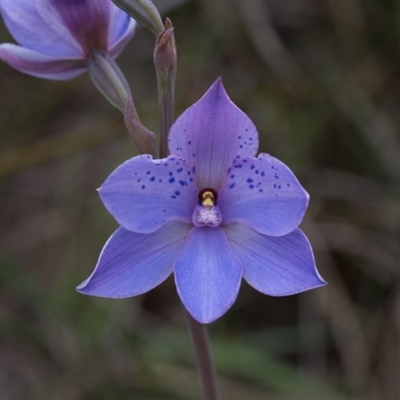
[(207, 213), (208, 197)]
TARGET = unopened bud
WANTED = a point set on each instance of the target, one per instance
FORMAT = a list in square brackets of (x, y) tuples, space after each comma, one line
[(144, 12), (165, 54)]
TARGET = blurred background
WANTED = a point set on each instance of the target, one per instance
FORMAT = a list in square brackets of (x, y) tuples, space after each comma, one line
[(321, 81)]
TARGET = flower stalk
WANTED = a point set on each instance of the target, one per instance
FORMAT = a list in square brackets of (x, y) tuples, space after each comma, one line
[(109, 80), (165, 61), (205, 364), (111, 83)]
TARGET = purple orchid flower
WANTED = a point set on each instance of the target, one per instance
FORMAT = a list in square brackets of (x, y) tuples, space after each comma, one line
[(211, 212), (56, 37)]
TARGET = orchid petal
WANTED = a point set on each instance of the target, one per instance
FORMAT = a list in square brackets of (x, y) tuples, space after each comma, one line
[(30, 30), (40, 65), (264, 194), (207, 274), (132, 263), (143, 194), (122, 28), (86, 21), (277, 266), (211, 134)]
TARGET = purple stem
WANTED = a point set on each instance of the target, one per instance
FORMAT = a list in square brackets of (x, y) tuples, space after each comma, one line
[(205, 364)]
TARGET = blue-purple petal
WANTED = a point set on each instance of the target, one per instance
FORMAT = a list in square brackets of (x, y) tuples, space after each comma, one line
[(211, 135), (207, 274), (122, 28), (40, 65), (277, 266), (264, 194), (131, 263), (30, 30), (143, 194), (86, 21)]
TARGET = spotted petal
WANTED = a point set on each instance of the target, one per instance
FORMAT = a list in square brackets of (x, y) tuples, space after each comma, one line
[(207, 274), (277, 266), (40, 65), (264, 194), (30, 30), (143, 194), (211, 134), (133, 263)]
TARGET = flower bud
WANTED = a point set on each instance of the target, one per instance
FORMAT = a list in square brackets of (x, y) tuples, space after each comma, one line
[(143, 11), (165, 54)]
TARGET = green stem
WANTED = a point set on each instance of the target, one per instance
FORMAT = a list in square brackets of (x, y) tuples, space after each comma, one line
[(205, 364)]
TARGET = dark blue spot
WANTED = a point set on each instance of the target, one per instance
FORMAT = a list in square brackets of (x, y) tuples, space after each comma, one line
[(249, 180), (170, 173), (279, 187), (189, 142), (260, 190), (247, 129), (174, 197), (251, 186), (276, 176), (143, 187), (183, 183), (177, 192), (153, 178), (160, 180), (148, 172), (232, 176), (241, 146), (262, 173), (171, 180), (239, 137), (252, 167), (164, 210), (179, 170), (232, 185), (139, 180), (274, 185), (194, 169), (288, 184)]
